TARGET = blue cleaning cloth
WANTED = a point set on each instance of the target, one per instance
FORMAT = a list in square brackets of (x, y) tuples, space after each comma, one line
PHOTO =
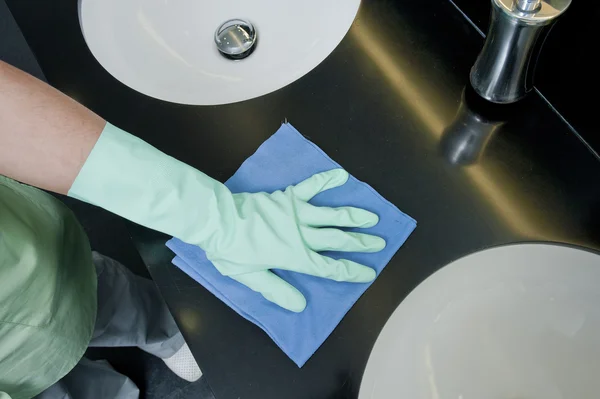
[(287, 158)]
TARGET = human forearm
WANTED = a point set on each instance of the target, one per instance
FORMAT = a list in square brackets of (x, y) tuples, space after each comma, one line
[(45, 137)]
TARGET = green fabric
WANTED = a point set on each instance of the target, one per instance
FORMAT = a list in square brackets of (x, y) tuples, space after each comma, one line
[(47, 290), (244, 235)]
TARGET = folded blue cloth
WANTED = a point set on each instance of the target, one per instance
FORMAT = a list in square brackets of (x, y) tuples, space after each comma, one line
[(287, 158)]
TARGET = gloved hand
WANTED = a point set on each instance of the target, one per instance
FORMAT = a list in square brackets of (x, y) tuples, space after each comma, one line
[(244, 235), (282, 231)]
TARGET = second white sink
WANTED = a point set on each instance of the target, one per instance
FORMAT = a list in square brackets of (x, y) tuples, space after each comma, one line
[(513, 322), (165, 48)]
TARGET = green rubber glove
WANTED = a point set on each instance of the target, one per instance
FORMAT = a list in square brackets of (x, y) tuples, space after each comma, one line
[(244, 235)]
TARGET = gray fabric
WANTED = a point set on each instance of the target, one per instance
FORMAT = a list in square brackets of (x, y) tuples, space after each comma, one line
[(92, 380), (130, 313)]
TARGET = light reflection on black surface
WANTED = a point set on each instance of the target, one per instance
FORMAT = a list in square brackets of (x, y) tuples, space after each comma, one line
[(464, 140)]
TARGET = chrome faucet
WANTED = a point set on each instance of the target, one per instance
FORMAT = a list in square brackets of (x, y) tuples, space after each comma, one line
[(503, 72)]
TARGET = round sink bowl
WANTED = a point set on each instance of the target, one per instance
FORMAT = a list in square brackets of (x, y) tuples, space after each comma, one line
[(166, 49), (513, 322)]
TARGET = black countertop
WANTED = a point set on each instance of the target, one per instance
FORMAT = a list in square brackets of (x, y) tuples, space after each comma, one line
[(389, 105)]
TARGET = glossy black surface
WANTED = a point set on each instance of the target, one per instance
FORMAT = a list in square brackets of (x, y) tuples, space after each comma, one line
[(385, 105), (13, 47)]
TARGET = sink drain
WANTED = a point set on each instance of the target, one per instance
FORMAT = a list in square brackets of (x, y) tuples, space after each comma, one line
[(236, 39)]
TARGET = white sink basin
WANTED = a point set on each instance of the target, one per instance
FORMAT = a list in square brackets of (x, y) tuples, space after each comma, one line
[(166, 49), (514, 322)]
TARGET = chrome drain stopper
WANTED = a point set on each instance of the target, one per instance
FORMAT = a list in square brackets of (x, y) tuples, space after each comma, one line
[(236, 39)]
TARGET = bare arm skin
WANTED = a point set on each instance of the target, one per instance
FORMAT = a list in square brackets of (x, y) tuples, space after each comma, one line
[(45, 136)]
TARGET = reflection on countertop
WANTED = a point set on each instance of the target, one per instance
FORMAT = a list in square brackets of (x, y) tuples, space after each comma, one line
[(464, 140)]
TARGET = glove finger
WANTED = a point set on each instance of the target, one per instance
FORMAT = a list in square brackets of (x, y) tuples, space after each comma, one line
[(319, 216), (337, 240), (337, 269), (273, 289), (320, 182)]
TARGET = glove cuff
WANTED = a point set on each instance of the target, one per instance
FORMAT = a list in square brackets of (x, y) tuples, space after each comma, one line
[(131, 178)]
